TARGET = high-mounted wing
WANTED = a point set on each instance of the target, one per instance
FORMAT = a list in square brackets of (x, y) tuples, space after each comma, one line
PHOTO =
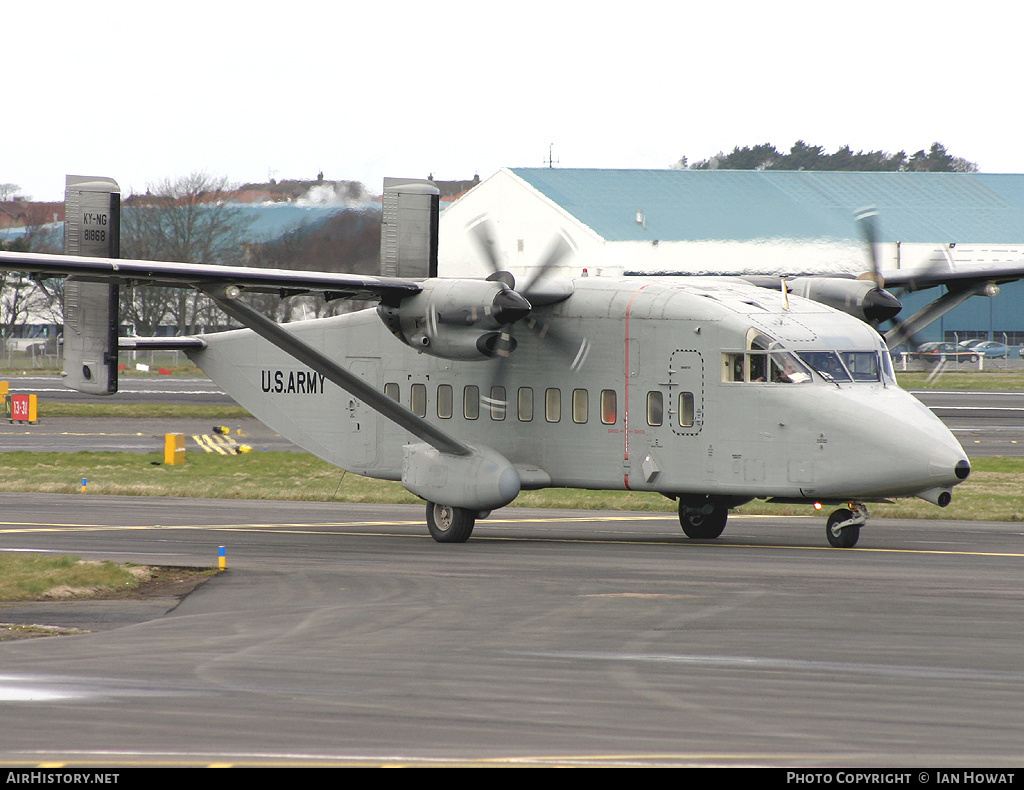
[(284, 282), (955, 279), (960, 286)]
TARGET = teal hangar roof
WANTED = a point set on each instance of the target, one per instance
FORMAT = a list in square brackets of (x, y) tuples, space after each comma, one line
[(743, 205)]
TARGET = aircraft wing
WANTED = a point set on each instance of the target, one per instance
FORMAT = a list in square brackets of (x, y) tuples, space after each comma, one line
[(954, 279), (285, 282)]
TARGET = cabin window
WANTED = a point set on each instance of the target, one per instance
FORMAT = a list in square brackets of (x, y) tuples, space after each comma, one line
[(732, 367), (471, 402), (745, 366), (553, 405), (497, 403), (609, 408), (655, 408), (525, 403), (580, 406), (392, 391), (418, 400), (686, 409), (444, 401), (757, 366)]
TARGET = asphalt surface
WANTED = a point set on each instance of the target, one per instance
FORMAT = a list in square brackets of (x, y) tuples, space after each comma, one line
[(343, 635)]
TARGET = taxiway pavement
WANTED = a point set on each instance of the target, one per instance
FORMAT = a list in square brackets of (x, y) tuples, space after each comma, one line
[(343, 635)]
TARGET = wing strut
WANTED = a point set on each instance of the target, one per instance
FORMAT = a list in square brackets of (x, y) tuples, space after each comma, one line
[(225, 296), (933, 311)]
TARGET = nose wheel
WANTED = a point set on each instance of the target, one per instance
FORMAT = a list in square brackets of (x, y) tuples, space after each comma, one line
[(843, 526)]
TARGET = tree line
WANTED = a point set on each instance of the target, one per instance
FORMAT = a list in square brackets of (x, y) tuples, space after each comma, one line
[(802, 156)]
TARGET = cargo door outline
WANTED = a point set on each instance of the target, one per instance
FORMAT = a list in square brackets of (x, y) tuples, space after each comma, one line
[(362, 433)]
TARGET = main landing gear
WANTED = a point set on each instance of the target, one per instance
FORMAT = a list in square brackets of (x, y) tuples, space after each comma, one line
[(843, 526), (702, 518), (449, 524)]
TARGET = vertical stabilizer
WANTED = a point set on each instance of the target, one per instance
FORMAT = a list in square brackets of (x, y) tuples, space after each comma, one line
[(92, 227), (408, 232)]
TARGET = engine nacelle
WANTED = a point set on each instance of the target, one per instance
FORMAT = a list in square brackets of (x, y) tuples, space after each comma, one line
[(456, 319), (862, 299)]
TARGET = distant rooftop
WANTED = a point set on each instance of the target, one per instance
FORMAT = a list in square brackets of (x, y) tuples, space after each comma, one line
[(697, 205)]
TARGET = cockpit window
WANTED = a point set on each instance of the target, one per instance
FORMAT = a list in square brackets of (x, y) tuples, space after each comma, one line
[(887, 369), (863, 365), (787, 368), (826, 364), (780, 365)]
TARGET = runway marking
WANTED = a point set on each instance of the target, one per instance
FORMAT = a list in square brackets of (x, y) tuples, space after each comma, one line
[(350, 529), (802, 665), (71, 433), (271, 760)]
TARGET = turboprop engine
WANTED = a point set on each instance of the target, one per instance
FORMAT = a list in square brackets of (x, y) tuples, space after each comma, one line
[(457, 319), (861, 298)]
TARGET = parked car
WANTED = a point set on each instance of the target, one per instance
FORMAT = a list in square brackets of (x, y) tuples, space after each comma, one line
[(936, 352), (991, 349)]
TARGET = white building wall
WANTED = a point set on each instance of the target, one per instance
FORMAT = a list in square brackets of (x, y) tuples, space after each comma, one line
[(524, 223)]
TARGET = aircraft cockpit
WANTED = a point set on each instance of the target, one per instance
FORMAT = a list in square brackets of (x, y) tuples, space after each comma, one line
[(767, 361)]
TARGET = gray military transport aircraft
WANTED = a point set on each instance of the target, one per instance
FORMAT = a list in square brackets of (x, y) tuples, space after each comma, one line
[(711, 391)]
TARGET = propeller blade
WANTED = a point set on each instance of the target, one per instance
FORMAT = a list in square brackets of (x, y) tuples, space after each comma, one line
[(575, 351), (867, 219), (481, 232), (559, 249), (495, 398)]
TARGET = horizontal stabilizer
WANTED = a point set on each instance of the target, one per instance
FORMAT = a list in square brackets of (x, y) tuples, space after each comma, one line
[(159, 343)]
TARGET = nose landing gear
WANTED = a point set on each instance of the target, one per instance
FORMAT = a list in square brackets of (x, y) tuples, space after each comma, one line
[(843, 526)]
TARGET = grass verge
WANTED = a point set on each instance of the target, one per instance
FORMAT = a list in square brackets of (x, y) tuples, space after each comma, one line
[(994, 491), (29, 577), (963, 380), (184, 411)]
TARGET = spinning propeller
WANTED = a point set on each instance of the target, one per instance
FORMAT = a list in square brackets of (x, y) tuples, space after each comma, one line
[(522, 303), (885, 306), (879, 304)]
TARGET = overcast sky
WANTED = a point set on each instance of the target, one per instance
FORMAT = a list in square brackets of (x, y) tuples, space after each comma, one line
[(145, 91)]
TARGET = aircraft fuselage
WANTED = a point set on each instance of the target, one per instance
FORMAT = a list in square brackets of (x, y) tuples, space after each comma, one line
[(683, 391)]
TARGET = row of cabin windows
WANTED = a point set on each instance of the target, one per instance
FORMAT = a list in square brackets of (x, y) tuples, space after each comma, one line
[(496, 404)]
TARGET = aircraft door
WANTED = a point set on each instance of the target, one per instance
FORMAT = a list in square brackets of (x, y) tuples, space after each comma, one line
[(667, 419), (362, 420)]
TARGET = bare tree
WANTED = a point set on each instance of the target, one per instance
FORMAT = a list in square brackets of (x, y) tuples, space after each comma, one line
[(188, 220), (24, 301)]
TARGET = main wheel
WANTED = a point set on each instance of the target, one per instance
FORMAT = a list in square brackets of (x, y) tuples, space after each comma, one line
[(450, 524), (841, 537), (702, 522)]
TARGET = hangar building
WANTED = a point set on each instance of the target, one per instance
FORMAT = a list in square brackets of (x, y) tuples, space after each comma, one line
[(734, 221)]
